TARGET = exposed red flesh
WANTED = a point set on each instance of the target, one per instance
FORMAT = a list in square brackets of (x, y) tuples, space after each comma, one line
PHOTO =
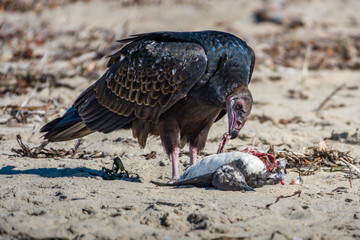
[(268, 159)]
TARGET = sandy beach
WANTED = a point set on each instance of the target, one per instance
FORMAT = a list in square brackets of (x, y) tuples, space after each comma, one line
[(305, 86)]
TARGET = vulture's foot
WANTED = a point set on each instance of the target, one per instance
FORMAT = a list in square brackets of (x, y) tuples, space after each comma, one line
[(173, 180), (224, 141)]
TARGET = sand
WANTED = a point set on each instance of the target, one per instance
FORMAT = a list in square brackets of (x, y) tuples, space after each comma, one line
[(48, 198)]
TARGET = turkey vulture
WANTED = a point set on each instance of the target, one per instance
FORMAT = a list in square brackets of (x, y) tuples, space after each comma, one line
[(171, 84)]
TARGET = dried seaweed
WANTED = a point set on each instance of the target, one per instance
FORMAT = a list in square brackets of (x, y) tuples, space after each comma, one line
[(296, 94), (150, 155), (75, 152), (291, 120), (22, 113), (319, 157), (330, 52), (26, 68), (261, 118)]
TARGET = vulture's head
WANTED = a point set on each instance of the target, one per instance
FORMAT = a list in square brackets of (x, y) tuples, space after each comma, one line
[(238, 106)]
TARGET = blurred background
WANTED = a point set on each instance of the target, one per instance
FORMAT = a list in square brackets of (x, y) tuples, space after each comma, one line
[(306, 49)]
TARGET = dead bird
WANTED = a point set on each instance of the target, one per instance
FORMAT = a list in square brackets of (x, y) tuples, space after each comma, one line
[(231, 171)]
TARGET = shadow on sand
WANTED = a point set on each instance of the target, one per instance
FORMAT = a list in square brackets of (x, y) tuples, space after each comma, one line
[(53, 172), (64, 172)]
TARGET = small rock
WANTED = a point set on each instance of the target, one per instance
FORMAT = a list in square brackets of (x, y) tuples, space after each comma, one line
[(165, 220), (61, 195), (200, 221), (89, 210), (221, 229)]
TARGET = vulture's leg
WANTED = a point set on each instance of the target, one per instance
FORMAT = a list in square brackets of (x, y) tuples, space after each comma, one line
[(198, 142), (193, 154), (175, 164), (169, 132)]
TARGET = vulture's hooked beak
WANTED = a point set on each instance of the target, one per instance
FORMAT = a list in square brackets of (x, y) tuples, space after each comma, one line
[(238, 110)]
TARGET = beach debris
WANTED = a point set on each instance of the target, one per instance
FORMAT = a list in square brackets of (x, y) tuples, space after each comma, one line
[(25, 150), (316, 158), (298, 192), (327, 52), (296, 120), (118, 172), (26, 68), (329, 97), (297, 181), (232, 171), (261, 118), (75, 152), (297, 94), (271, 11), (33, 5), (150, 155), (22, 114)]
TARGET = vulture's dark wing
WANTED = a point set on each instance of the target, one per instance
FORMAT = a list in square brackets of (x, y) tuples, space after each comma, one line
[(147, 77), (144, 79)]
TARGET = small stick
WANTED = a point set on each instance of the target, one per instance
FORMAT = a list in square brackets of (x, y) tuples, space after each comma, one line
[(41, 147), (350, 177), (298, 192), (350, 165), (329, 97), (77, 144), (305, 68), (27, 100)]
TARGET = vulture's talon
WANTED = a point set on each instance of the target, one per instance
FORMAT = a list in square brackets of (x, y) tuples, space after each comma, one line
[(173, 180)]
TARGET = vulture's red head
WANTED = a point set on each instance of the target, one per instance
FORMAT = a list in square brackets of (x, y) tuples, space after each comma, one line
[(238, 106)]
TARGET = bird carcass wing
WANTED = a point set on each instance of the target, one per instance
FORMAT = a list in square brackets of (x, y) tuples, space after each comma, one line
[(146, 77)]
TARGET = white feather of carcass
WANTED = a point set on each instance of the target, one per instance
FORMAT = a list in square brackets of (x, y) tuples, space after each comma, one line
[(209, 164)]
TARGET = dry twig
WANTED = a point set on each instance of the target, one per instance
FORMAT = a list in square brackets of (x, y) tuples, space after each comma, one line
[(37, 152), (329, 97), (298, 192)]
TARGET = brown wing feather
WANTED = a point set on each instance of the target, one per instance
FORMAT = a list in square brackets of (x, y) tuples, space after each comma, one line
[(147, 77)]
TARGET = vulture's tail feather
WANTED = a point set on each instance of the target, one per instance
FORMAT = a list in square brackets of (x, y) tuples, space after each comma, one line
[(67, 127), (86, 116)]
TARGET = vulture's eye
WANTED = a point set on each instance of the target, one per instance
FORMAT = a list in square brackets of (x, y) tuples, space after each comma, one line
[(239, 106)]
